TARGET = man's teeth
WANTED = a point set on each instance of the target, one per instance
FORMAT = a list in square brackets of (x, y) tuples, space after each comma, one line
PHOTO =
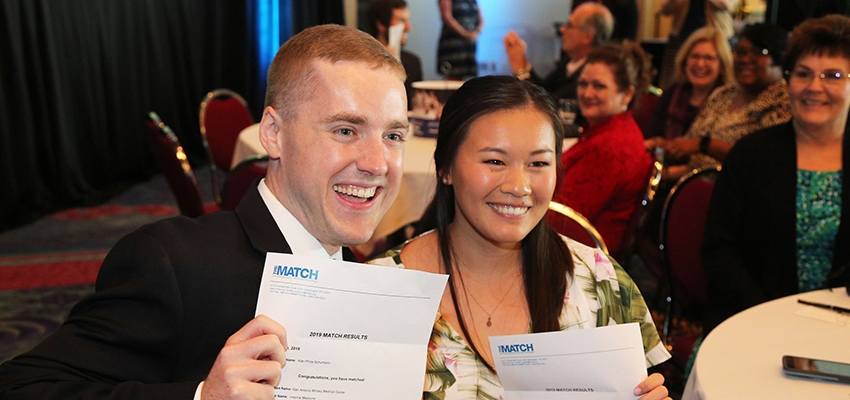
[(356, 192), (509, 209)]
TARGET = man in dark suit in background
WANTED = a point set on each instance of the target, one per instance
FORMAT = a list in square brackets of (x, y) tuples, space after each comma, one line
[(173, 312), (590, 25), (382, 15), (791, 13), (625, 14)]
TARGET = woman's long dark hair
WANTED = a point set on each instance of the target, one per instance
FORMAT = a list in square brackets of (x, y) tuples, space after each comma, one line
[(546, 260)]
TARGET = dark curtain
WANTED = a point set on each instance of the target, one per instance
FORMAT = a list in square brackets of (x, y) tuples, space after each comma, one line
[(77, 79), (790, 13), (307, 13)]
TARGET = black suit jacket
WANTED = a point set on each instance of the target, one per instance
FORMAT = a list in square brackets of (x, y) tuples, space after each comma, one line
[(167, 298), (413, 68), (749, 245), (557, 82), (561, 85), (791, 13)]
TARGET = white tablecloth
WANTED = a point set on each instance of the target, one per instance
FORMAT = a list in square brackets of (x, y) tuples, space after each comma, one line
[(247, 145), (742, 357)]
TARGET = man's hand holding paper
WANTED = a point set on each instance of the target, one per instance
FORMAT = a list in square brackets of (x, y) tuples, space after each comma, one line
[(353, 330), (257, 352)]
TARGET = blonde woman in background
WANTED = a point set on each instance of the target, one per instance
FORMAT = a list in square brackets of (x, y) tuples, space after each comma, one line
[(703, 63)]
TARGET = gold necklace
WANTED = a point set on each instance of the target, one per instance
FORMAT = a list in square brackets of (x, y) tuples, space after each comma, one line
[(489, 319)]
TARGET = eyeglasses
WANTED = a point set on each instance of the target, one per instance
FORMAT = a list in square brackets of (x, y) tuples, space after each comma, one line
[(704, 57), (805, 76), (754, 51)]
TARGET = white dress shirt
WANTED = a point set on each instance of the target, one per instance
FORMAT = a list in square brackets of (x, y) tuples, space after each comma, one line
[(574, 65), (300, 241)]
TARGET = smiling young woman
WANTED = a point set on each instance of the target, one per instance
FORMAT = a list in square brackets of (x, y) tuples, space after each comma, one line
[(509, 273)]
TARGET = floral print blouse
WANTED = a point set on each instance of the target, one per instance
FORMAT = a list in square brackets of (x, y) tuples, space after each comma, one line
[(818, 215), (770, 108), (599, 294)]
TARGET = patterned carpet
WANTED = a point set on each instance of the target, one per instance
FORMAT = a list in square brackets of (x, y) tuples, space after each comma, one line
[(27, 316), (47, 266)]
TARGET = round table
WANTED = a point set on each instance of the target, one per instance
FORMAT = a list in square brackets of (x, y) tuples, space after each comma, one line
[(742, 357)]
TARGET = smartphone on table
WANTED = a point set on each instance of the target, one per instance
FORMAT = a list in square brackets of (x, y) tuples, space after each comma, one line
[(819, 369)]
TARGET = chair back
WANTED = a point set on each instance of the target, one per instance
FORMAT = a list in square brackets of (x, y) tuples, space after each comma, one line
[(241, 178), (682, 225), (173, 163), (223, 114), (637, 222), (645, 107), (573, 225)]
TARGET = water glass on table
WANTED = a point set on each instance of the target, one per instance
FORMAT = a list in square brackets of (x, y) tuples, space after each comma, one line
[(568, 109)]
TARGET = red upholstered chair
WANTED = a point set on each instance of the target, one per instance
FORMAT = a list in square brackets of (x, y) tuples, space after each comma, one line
[(573, 225), (223, 114), (241, 178), (173, 163), (645, 106), (682, 225), (637, 222)]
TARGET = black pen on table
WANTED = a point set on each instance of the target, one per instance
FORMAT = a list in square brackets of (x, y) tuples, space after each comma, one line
[(826, 306)]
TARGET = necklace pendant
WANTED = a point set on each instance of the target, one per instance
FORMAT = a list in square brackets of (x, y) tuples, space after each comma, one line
[(489, 323)]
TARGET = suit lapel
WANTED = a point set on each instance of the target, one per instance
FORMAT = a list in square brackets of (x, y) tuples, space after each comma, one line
[(348, 255), (261, 229), (259, 224)]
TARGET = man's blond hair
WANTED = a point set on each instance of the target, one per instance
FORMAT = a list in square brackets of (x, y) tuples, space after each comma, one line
[(290, 78)]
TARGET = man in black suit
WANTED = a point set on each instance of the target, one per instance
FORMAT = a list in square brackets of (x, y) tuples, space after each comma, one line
[(173, 312), (590, 25), (791, 13), (382, 15)]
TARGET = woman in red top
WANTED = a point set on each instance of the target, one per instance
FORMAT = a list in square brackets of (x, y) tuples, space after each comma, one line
[(605, 173)]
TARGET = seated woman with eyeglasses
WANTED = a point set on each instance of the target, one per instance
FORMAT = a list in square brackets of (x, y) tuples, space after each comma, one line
[(703, 63), (605, 174), (758, 100), (778, 222)]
